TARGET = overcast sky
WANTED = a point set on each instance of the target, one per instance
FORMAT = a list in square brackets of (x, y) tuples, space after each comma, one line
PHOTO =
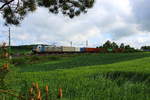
[(122, 21)]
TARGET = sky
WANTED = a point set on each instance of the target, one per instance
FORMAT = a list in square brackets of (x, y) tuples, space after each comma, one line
[(121, 21)]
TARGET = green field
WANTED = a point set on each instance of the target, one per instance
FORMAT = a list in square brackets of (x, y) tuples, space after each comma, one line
[(123, 76)]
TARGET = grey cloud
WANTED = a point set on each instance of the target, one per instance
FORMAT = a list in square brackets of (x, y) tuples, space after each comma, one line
[(115, 19), (142, 13), (109, 19)]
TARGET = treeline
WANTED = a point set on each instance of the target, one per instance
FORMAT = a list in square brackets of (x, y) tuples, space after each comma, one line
[(111, 46), (23, 47), (145, 48)]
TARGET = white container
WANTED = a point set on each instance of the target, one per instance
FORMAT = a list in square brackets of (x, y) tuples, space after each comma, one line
[(48, 48), (77, 49), (68, 49), (53, 49), (57, 49)]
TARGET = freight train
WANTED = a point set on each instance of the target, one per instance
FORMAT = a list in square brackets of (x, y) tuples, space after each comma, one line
[(67, 49)]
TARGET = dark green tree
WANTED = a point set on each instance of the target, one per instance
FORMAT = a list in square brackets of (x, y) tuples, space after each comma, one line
[(107, 44), (14, 11), (114, 45), (122, 45), (127, 47)]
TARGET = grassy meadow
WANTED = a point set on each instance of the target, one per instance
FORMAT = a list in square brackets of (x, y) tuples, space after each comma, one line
[(122, 76)]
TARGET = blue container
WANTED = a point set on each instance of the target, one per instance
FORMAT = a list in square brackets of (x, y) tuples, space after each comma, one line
[(146, 50), (82, 49)]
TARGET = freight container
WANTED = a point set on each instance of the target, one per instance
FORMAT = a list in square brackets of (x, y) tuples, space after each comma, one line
[(68, 49), (90, 50), (48, 49), (118, 50), (77, 49), (102, 50), (146, 50), (57, 49), (82, 49), (109, 49), (97, 50)]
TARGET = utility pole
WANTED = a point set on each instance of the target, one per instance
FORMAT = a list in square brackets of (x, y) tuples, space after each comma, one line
[(71, 43), (86, 43), (9, 36)]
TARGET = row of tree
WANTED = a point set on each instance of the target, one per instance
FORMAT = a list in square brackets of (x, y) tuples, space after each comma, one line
[(145, 48), (127, 48), (108, 44), (112, 46)]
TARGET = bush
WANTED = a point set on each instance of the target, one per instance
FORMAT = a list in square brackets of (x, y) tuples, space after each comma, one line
[(129, 50), (54, 58), (19, 61)]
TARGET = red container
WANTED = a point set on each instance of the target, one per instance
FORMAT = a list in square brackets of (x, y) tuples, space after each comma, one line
[(102, 50), (118, 50), (90, 50)]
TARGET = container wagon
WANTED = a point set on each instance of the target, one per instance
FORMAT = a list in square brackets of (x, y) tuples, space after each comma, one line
[(119, 50), (82, 50), (77, 49), (103, 50), (66, 49), (53, 49), (92, 50)]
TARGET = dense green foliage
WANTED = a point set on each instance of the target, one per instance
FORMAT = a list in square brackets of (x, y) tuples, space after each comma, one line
[(111, 46), (23, 49), (87, 76)]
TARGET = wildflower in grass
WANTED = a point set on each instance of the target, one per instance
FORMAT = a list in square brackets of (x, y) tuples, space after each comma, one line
[(60, 93), (37, 86), (5, 66), (46, 88), (33, 85), (31, 94), (38, 97), (31, 91), (4, 45), (6, 55)]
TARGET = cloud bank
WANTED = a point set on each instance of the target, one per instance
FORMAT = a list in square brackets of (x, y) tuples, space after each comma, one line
[(124, 21)]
